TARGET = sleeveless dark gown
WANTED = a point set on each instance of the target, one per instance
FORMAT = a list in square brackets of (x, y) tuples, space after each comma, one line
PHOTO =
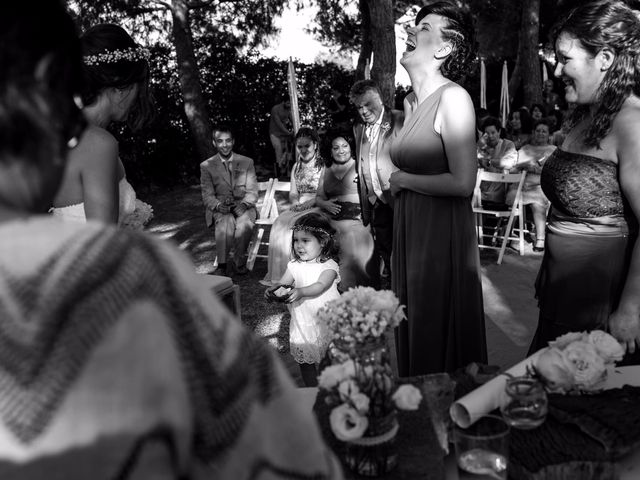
[(435, 261), (590, 236)]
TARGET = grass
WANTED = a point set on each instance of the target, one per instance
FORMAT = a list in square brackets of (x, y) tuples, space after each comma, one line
[(179, 216)]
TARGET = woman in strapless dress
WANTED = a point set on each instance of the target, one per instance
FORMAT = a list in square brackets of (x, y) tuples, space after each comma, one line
[(590, 273), (94, 186)]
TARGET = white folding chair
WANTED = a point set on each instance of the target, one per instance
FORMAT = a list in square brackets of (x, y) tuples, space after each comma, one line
[(268, 212), (501, 235)]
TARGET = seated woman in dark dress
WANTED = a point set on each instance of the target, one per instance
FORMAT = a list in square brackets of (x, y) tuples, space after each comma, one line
[(337, 195), (590, 274)]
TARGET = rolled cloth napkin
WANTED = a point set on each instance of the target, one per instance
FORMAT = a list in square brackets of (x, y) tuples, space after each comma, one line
[(486, 398)]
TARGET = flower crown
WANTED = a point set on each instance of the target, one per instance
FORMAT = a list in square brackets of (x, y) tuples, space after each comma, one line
[(113, 56), (309, 228)]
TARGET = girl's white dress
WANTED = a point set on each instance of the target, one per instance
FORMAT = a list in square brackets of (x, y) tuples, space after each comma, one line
[(308, 339)]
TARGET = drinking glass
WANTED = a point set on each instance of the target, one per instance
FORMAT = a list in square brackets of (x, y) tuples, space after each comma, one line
[(524, 403), (482, 450)]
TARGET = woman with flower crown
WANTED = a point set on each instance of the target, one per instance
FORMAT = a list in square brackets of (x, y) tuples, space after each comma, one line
[(94, 186)]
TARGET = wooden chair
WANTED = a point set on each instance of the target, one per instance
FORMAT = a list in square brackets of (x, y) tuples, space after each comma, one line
[(267, 214), (502, 234)]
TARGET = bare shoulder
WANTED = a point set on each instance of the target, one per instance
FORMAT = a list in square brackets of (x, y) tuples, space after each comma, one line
[(98, 138), (455, 100), (97, 148), (625, 128)]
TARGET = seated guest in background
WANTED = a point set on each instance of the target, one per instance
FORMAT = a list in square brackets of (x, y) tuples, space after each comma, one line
[(481, 115), (116, 89), (531, 158), (229, 193), (374, 167), (519, 127), (550, 99), (495, 154), (337, 195), (590, 273), (305, 176), (538, 112), (557, 126), (118, 362)]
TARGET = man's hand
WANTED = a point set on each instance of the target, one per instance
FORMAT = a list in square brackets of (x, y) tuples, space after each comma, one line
[(222, 208), (239, 209)]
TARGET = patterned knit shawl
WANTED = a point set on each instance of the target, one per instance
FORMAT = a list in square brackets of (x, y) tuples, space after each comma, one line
[(52, 320)]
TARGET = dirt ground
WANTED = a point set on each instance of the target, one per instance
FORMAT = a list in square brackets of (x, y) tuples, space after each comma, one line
[(510, 310)]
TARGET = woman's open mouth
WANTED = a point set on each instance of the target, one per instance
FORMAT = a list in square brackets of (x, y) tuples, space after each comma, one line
[(410, 45)]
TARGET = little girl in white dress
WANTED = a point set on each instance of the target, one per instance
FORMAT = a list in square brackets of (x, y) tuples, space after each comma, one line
[(311, 280)]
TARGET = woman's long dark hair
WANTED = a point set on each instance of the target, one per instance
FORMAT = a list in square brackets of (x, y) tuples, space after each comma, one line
[(598, 25), (105, 38)]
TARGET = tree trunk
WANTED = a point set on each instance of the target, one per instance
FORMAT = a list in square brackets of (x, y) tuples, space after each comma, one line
[(365, 48), (195, 106), (383, 39), (528, 63)]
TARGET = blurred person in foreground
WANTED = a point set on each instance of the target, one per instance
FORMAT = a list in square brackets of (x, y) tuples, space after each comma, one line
[(116, 361), (590, 273), (435, 262)]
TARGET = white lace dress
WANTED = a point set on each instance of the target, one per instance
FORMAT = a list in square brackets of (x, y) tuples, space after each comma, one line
[(308, 339), (133, 213)]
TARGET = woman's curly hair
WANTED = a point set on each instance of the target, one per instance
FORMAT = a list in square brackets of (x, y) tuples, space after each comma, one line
[(598, 25), (460, 32)]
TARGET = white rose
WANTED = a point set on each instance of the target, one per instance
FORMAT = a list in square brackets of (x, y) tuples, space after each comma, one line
[(607, 346), (331, 376), (347, 424), (555, 370), (563, 340), (589, 367), (360, 402), (347, 388), (407, 397)]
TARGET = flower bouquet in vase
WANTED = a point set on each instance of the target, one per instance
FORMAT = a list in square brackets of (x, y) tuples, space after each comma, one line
[(359, 385)]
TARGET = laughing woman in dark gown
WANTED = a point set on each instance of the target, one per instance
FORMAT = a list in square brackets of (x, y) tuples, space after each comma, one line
[(435, 264), (590, 274)]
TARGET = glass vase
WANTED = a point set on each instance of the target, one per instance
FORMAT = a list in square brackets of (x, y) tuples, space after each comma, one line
[(524, 403), (376, 452)]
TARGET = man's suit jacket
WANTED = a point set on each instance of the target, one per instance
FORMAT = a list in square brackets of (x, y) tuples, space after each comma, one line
[(391, 124), (218, 185)]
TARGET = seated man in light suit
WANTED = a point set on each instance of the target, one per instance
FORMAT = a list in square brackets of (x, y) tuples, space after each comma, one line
[(373, 138), (229, 193)]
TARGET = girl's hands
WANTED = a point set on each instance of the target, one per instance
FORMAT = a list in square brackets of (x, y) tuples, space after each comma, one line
[(395, 180), (268, 293), (294, 294)]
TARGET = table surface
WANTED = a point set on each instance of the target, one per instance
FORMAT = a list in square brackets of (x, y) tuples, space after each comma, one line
[(628, 467)]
